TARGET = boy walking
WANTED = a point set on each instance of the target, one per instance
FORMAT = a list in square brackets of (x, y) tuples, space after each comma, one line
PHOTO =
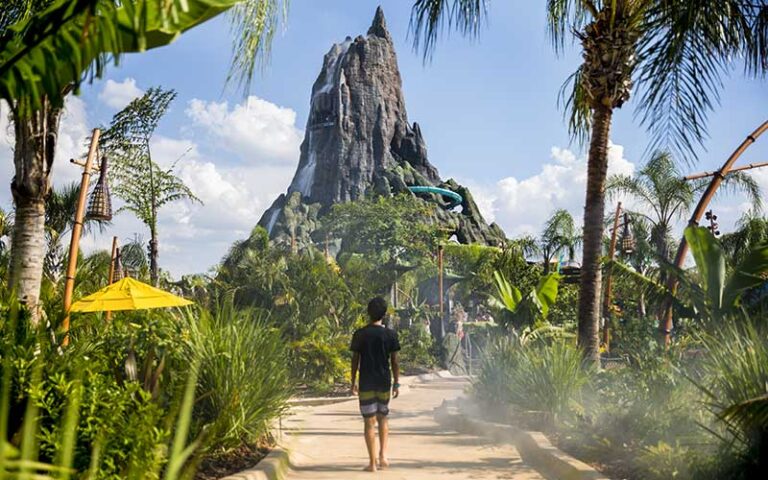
[(374, 349)]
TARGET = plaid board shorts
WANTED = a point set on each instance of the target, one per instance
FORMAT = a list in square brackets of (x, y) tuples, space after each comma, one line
[(374, 402)]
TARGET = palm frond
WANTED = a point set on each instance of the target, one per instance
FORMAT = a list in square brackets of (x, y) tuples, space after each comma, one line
[(683, 55), (576, 107), (430, 17), (253, 24), (563, 15), (743, 183)]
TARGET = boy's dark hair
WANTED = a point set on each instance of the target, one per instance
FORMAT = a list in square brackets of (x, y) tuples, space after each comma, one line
[(377, 308)]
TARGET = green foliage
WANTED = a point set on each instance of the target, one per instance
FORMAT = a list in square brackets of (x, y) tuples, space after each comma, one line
[(530, 309), (243, 376), (560, 236), (140, 182), (45, 48), (418, 349), (712, 292), (320, 359), (385, 229), (537, 375), (113, 404), (734, 380)]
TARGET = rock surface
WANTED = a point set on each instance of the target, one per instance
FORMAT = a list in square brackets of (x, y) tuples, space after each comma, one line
[(359, 142)]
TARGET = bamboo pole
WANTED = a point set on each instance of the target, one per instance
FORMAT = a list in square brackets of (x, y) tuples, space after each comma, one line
[(609, 283), (77, 230), (750, 166), (665, 323), (111, 277)]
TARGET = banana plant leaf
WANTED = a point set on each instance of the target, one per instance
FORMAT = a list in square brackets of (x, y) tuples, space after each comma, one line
[(73, 41), (710, 262)]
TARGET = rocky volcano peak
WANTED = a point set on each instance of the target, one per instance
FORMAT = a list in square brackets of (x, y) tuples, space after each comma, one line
[(358, 141), (379, 25)]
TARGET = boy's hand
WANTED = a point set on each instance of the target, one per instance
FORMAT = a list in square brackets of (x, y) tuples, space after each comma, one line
[(353, 389), (396, 391)]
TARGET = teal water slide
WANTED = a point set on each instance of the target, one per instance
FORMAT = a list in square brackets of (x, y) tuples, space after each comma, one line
[(455, 198)]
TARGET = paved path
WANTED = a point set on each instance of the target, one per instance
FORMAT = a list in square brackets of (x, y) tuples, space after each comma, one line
[(331, 444)]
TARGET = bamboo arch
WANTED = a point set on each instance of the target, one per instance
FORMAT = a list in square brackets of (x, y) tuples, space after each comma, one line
[(665, 325)]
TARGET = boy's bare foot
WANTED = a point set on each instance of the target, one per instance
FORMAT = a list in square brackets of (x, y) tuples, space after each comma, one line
[(383, 462), (370, 468)]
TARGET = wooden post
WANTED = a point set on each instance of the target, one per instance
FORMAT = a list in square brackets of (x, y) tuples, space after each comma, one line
[(77, 230), (609, 284), (440, 278), (111, 277), (665, 322)]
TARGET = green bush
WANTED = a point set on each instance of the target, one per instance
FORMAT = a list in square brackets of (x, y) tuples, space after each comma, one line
[(75, 408), (541, 376), (734, 382), (243, 382), (417, 352), (321, 359)]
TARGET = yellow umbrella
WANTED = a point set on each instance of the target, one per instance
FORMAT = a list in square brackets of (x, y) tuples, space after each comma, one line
[(128, 294)]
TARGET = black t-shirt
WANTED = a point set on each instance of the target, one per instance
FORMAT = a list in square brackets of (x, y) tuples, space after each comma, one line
[(375, 343)]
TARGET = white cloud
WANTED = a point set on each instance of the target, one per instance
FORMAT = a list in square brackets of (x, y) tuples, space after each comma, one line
[(119, 94), (257, 131), (521, 206)]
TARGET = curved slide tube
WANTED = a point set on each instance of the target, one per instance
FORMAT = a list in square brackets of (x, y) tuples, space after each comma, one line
[(455, 198)]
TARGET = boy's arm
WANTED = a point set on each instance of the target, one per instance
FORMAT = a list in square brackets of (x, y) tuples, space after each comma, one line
[(395, 374), (355, 365)]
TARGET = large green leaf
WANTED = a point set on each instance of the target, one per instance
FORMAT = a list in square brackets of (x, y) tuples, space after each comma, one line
[(508, 295), (74, 40), (710, 262), (546, 292)]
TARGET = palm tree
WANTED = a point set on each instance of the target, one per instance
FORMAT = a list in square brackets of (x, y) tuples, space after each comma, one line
[(49, 47), (676, 50), (560, 235), (663, 196), (139, 181), (752, 231)]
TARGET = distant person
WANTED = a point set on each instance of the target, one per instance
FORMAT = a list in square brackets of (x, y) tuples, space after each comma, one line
[(375, 347)]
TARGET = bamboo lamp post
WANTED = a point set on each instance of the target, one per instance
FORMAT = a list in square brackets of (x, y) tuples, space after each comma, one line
[(112, 265), (627, 246), (99, 208)]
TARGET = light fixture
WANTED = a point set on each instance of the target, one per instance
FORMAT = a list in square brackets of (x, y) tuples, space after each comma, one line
[(100, 203)]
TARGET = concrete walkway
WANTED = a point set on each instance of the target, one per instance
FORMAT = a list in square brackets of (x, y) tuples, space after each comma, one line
[(331, 445)]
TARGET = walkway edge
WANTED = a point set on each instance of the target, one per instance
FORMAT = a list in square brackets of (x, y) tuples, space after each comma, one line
[(276, 465), (534, 447)]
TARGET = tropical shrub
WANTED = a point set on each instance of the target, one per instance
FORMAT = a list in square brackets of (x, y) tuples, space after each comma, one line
[(734, 381), (518, 310), (320, 359), (243, 380), (417, 349), (539, 375), (74, 408)]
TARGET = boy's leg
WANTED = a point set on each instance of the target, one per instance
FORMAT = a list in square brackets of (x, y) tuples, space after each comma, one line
[(383, 439), (370, 442)]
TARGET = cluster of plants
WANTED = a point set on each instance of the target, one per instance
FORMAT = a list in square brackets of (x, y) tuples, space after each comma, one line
[(146, 395), (693, 409)]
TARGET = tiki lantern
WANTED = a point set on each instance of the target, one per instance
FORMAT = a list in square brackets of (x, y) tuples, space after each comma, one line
[(100, 204)]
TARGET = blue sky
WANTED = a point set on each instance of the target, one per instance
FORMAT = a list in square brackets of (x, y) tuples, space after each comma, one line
[(488, 110)]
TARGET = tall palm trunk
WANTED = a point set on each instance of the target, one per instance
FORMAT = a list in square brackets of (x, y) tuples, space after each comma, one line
[(35, 144), (590, 282)]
